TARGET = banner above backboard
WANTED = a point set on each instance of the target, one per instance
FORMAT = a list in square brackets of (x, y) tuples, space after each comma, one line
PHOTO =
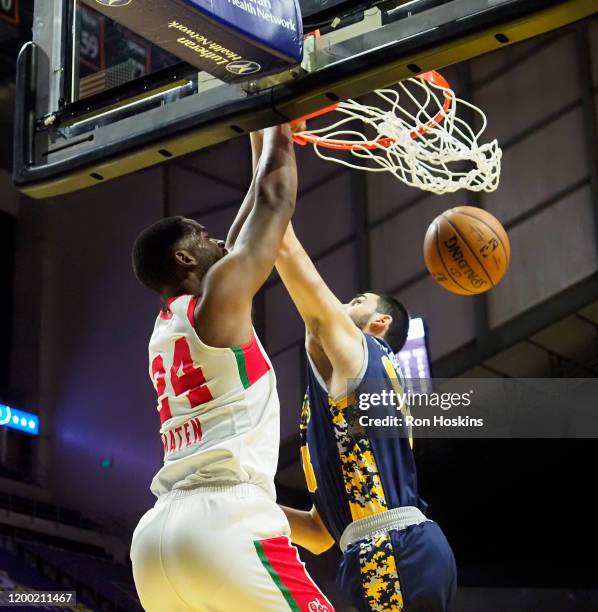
[(232, 40)]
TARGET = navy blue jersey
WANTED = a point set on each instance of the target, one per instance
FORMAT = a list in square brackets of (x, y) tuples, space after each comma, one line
[(354, 470)]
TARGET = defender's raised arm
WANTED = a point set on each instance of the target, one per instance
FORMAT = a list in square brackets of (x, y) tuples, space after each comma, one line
[(333, 340)]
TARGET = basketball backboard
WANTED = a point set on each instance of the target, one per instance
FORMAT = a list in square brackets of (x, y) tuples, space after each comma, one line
[(96, 101)]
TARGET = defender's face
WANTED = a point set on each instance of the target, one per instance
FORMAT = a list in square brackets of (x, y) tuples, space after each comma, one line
[(362, 308)]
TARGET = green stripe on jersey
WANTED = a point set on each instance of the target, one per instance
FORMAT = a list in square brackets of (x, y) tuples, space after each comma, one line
[(279, 583), (241, 366)]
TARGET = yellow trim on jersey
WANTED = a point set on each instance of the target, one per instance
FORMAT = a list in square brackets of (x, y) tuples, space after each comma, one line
[(398, 389), (343, 402), (308, 470)]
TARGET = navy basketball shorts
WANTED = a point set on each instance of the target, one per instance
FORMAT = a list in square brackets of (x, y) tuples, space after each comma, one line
[(400, 570)]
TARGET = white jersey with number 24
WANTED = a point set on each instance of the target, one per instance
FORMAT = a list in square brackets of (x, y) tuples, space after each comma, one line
[(218, 407)]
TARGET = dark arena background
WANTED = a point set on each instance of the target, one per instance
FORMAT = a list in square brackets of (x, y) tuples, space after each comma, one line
[(75, 467)]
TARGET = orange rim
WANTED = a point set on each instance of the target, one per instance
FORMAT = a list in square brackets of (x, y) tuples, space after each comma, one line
[(433, 77)]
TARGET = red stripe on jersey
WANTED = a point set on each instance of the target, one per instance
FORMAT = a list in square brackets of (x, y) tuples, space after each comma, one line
[(255, 362), (284, 559), (191, 310)]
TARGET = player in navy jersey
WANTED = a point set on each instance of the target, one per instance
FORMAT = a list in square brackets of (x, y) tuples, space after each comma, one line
[(363, 480)]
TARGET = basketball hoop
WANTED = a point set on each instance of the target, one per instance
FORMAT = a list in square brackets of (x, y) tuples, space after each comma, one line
[(429, 146)]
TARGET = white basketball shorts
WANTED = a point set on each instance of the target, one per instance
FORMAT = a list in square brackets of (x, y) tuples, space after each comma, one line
[(220, 549)]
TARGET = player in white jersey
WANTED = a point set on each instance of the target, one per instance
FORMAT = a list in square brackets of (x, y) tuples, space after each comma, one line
[(215, 539)]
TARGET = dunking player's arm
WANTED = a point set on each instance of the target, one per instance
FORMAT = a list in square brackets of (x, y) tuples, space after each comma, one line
[(223, 315), (257, 143), (335, 345)]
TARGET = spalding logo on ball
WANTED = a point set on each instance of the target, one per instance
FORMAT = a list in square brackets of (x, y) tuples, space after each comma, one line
[(467, 250)]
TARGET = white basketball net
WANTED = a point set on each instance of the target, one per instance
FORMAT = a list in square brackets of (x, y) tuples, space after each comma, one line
[(433, 149)]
